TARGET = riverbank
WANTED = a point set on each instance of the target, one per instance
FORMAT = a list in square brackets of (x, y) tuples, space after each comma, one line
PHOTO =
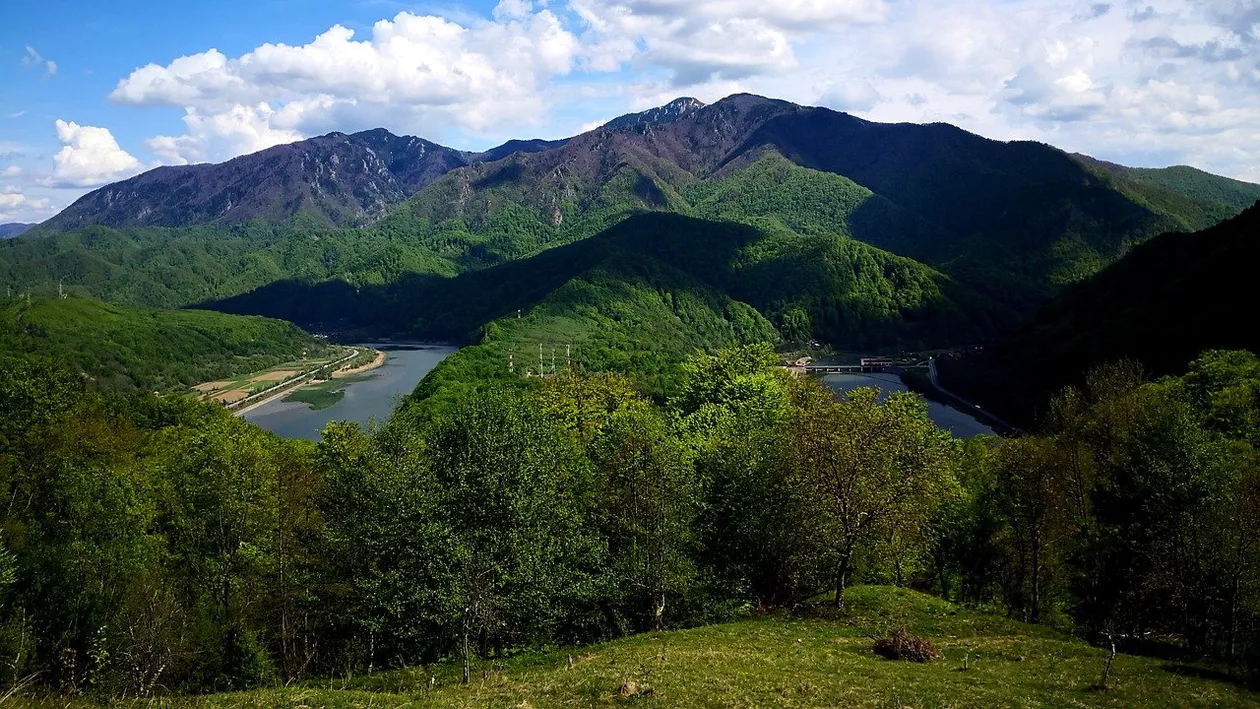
[(266, 397), (348, 371)]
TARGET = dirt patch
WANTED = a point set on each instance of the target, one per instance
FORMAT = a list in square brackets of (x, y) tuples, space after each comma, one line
[(211, 386), (274, 376), (230, 397)]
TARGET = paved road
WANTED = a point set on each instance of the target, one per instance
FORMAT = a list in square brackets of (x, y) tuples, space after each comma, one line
[(286, 388), (974, 409)]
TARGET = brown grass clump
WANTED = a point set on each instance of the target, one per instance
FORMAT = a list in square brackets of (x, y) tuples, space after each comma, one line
[(629, 689), (901, 644)]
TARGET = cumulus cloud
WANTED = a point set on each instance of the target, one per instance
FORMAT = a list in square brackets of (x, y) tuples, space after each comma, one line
[(710, 40), (1142, 81), (420, 74), (849, 95), (11, 171), (89, 157), (32, 58), (16, 206)]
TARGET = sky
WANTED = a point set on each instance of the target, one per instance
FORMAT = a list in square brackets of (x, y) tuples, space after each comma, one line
[(92, 92)]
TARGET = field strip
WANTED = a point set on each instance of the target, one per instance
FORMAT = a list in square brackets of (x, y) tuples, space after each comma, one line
[(270, 395)]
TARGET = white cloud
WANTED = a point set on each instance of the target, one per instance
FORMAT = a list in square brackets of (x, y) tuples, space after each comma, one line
[(89, 157), (1139, 81), (235, 131), (16, 206), (419, 74), (33, 58), (11, 171), (702, 40), (853, 95)]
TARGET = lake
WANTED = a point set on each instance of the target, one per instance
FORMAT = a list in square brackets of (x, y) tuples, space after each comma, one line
[(960, 423), (371, 396)]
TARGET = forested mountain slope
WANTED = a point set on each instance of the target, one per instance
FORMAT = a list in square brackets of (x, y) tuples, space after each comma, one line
[(1162, 304), (811, 285), (1017, 219), (132, 349), (12, 229), (1008, 224)]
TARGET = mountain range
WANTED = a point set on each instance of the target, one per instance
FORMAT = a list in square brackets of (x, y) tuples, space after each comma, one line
[(746, 218), (341, 180), (12, 229)]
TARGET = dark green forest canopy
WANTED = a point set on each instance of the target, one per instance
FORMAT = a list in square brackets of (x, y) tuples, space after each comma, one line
[(1164, 303), (167, 546), (129, 349)]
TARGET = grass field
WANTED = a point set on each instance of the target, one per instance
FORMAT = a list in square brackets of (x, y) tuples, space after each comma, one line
[(783, 661), (240, 387), (322, 395)]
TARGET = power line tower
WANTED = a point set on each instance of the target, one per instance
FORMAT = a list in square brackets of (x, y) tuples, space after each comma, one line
[(61, 291)]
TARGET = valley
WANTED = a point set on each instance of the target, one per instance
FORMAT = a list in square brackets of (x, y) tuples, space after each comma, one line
[(617, 482)]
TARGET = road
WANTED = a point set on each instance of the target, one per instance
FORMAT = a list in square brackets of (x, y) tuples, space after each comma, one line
[(246, 405), (995, 421)]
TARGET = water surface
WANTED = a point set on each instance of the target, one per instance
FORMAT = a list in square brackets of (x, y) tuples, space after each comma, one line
[(373, 395), (960, 423)]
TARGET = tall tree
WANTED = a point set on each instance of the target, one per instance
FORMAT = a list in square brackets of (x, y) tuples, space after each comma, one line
[(869, 470), (650, 499)]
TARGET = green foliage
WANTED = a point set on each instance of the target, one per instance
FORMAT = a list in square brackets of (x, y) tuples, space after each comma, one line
[(132, 349), (1162, 305), (175, 268), (163, 544), (1132, 516)]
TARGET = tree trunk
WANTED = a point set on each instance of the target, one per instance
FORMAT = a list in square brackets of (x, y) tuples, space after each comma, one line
[(1036, 578), (842, 575), (658, 612), (465, 649), (1106, 675)]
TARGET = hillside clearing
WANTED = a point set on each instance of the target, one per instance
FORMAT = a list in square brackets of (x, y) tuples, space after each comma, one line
[(788, 661)]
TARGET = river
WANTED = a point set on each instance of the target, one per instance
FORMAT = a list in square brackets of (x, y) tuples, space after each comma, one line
[(372, 396), (962, 424)]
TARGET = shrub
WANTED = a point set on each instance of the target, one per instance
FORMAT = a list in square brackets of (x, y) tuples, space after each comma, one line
[(901, 644)]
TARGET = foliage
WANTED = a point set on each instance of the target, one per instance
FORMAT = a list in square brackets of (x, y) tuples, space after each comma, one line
[(775, 659), (131, 349), (1162, 305)]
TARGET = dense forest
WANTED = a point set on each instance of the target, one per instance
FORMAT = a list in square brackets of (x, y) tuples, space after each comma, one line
[(1164, 303), (139, 349), (155, 544)]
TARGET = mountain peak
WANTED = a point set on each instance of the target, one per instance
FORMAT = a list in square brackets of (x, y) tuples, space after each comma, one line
[(675, 110)]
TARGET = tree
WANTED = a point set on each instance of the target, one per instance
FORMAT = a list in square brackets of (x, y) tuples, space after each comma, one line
[(867, 471), (1031, 484), (514, 495), (650, 499)]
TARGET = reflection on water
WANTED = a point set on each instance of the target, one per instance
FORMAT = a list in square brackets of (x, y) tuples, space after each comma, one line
[(372, 396), (962, 424)]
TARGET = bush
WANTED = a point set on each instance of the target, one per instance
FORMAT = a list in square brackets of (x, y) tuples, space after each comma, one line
[(901, 644)]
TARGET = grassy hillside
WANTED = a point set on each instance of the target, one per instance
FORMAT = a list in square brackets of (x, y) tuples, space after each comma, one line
[(173, 268), (1164, 303), (789, 661), (128, 349)]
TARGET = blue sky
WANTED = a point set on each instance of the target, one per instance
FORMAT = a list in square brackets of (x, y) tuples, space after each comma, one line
[(93, 92)]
